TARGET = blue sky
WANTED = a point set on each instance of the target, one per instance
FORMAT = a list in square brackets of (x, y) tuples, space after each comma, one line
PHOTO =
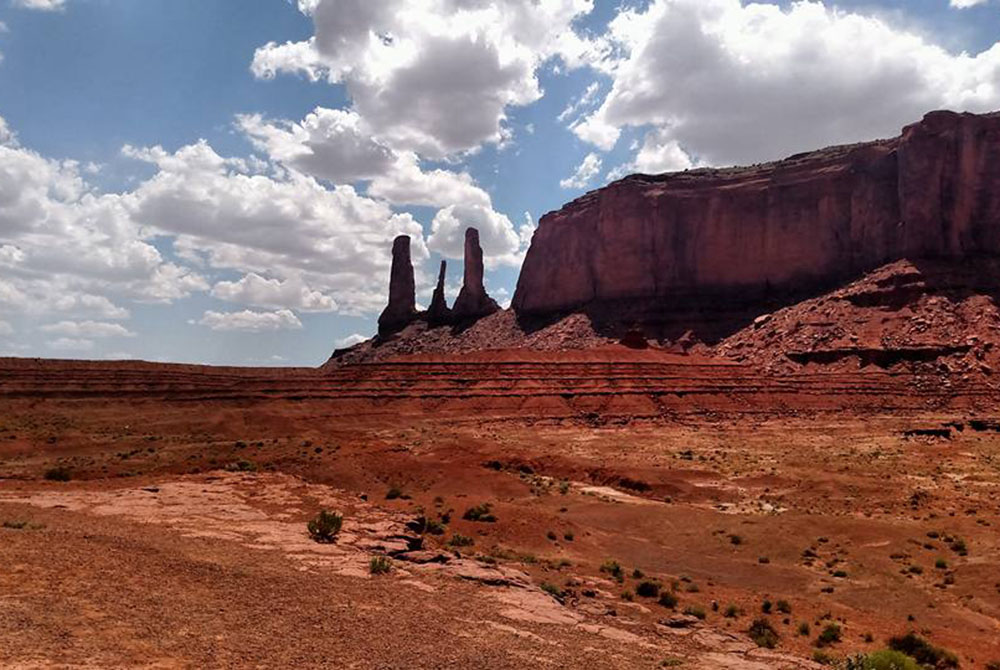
[(219, 181)]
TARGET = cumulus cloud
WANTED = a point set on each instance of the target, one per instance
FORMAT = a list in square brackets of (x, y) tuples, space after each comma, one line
[(434, 76), (740, 83), (70, 344), (501, 244), (963, 4), (350, 341), (87, 329), (255, 290), (586, 171), (42, 5), (250, 321)]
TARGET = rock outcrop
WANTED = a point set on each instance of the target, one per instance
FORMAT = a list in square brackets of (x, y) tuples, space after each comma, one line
[(473, 303), (653, 246), (439, 314), (402, 307)]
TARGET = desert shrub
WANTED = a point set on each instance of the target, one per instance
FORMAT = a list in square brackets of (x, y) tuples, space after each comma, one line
[(887, 659), (823, 658), (242, 466), (614, 569), (554, 591), (552, 535), (941, 564), (829, 635), (325, 527), (731, 612), (628, 595), (459, 540), (380, 565), (638, 574), (766, 606), (568, 536), (667, 599), (58, 474), (784, 607), (482, 513), (647, 589), (393, 493), (923, 651), (763, 634), (695, 611), (15, 525), (804, 629), (735, 539)]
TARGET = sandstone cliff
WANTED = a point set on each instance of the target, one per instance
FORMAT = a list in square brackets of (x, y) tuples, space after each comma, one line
[(648, 247)]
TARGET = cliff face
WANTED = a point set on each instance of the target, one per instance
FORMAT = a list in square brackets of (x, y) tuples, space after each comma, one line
[(662, 243)]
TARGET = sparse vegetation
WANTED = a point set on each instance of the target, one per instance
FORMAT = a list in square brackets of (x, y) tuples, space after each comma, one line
[(482, 513), (647, 589), (830, 635), (784, 607), (554, 591), (886, 659), (695, 611), (459, 540), (804, 629), (668, 600), (614, 569), (325, 527), (58, 474), (731, 612), (923, 652), (380, 565), (242, 466), (763, 634), (22, 525), (394, 493)]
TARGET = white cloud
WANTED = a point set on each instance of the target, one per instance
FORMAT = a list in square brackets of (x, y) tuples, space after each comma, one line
[(963, 4), (42, 5), (586, 171), (434, 76), (6, 328), (285, 225), (741, 83), (87, 329), (70, 344), (292, 293), (350, 341), (254, 322), (501, 244)]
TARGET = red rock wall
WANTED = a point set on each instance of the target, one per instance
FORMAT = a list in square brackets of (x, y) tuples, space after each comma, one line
[(810, 220)]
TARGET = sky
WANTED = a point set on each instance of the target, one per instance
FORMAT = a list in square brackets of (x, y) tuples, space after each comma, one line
[(220, 181)]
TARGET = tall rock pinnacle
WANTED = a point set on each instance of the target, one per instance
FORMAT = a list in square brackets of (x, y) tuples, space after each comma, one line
[(402, 307), (439, 314), (473, 302)]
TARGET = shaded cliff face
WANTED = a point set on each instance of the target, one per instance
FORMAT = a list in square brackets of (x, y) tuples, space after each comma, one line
[(660, 244)]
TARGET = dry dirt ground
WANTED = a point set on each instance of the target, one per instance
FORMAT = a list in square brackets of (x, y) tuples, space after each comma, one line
[(180, 539)]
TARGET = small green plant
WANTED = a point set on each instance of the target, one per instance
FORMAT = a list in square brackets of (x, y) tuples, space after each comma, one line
[(58, 474), (923, 652), (735, 539), (830, 635), (941, 564), (393, 493), (695, 611), (563, 487), (766, 606), (614, 569), (638, 574), (379, 565), (242, 466), (784, 607), (823, 658), (627, 595), (647, 589), (482, 513), (763, 634), (731, 612), (15, 525), (554, 591), (668, 600), (459, 540), (325, 527), (804, 629), (886, 659)]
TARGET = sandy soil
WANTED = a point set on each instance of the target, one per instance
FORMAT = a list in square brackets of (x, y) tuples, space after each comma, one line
[(180, 539)]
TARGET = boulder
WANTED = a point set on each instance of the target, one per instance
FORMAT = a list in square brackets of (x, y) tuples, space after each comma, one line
[(473, 303), (402, 308)]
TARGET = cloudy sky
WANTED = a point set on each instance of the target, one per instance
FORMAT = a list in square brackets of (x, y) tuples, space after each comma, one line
[(219, 181)]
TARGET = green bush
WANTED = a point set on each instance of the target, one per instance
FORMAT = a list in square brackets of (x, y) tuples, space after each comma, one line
[(380, 565), (325, 527), (614, 569), (647, 589), (923, 651), (58, 474), (667, 599), (830, 635), (459, 540), (482, 513), (695, 611), (554, 591), (763, 634), (887, 659), (784, 607)]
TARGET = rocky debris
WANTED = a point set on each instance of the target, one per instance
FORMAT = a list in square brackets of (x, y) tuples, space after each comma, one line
[(668, 245), (402, 308), (681, 621), (473, 303), (439, 314)]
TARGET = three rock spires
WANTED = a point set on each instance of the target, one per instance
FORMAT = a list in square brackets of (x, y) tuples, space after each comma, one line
[(473, 302)]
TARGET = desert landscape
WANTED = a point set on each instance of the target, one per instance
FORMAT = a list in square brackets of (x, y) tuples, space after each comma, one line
[(735, 419)]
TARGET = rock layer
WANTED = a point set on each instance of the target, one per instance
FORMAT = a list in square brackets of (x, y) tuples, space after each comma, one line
[(473, 302), (402, 307), (439, 314), (657, 245)]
